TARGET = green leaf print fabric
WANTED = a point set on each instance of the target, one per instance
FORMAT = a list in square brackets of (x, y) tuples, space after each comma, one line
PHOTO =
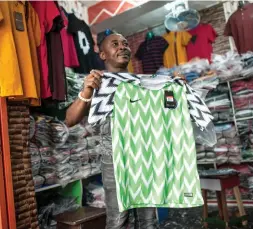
[(153, 149)]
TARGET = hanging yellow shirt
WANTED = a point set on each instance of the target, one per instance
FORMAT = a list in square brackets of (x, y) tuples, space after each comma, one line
[(16, 69), (176, 54)]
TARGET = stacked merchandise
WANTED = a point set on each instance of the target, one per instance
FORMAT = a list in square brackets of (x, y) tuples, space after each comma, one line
[(228, 147), (247, 60), (228, 66), (85, 149), (218, 102), (225, 67), (65, 154), (74, 86), (55, 204), (250, 181), (94, 195), (195, 69), (24, 193), (204, 155), (50, 137), (232, 65), (243, 97)]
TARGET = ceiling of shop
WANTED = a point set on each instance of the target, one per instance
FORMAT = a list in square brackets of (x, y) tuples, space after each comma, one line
[(142, 17), (89, 3)]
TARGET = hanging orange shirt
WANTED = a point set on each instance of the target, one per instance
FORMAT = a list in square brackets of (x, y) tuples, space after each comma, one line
[(176, 54), (16, 69)]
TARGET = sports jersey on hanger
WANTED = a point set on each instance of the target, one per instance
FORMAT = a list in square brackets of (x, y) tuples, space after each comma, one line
[(154, 148), (103, 98)]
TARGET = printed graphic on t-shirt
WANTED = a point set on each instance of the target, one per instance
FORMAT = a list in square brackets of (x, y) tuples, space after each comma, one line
[(83, 42)]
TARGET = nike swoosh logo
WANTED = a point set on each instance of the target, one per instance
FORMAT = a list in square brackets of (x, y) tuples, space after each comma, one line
[(133, 101)]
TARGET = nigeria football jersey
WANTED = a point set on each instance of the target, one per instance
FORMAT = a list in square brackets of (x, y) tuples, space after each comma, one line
[(153, 148)]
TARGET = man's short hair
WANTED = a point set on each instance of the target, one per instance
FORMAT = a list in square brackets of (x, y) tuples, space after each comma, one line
[(102, 35)]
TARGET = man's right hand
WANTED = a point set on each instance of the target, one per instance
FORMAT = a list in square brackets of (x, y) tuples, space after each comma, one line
[(91, 82)]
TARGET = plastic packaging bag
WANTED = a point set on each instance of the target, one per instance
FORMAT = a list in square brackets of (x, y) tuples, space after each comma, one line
[(205, 137), (32, 127), (227, 66)]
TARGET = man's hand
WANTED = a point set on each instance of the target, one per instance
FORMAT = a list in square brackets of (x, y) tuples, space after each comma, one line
[(91, 82)]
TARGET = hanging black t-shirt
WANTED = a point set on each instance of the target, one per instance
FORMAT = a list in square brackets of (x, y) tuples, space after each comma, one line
[(84, 44), (150, 52)]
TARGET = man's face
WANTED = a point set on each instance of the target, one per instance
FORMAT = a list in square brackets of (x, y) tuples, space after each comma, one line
[(115, 51)]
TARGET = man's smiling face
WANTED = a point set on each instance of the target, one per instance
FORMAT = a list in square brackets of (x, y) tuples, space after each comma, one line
[(115, 51)]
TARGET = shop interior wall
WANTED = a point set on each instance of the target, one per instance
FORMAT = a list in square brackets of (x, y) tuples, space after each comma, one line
[(213, 15)]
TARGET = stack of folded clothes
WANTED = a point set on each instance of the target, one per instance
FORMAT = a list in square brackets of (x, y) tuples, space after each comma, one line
[(205, 155), (247, 154), (35, 158), (208, 82), (74, 86), (247, 60), (64, 153), (217, 101), (227, 66), (250, 181), (228, 147), (223, 116), (49, 131), (245, 129), (48, 165), (243, 96)]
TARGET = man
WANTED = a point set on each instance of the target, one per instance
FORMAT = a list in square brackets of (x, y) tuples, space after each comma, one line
[(115, 52)]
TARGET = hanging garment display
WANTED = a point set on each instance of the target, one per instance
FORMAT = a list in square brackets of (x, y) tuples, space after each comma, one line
[(47, 12), (103, 99), (130, 67), (176, 54), (16, 66), (239, 26), (34, 35), (55, 55), (69, 49), (148, 173), (201, 43), (150, 52), (84, 43)]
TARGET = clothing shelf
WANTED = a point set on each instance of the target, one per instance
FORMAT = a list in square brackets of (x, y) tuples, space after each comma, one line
[(235, 120), (244, 119), (45, 188)]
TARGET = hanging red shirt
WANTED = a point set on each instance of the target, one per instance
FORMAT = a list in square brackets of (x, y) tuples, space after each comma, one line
[(240, 27), (201, 43), (47, 12)]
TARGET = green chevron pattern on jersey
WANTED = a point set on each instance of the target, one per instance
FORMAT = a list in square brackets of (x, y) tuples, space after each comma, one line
[(153, 149)]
